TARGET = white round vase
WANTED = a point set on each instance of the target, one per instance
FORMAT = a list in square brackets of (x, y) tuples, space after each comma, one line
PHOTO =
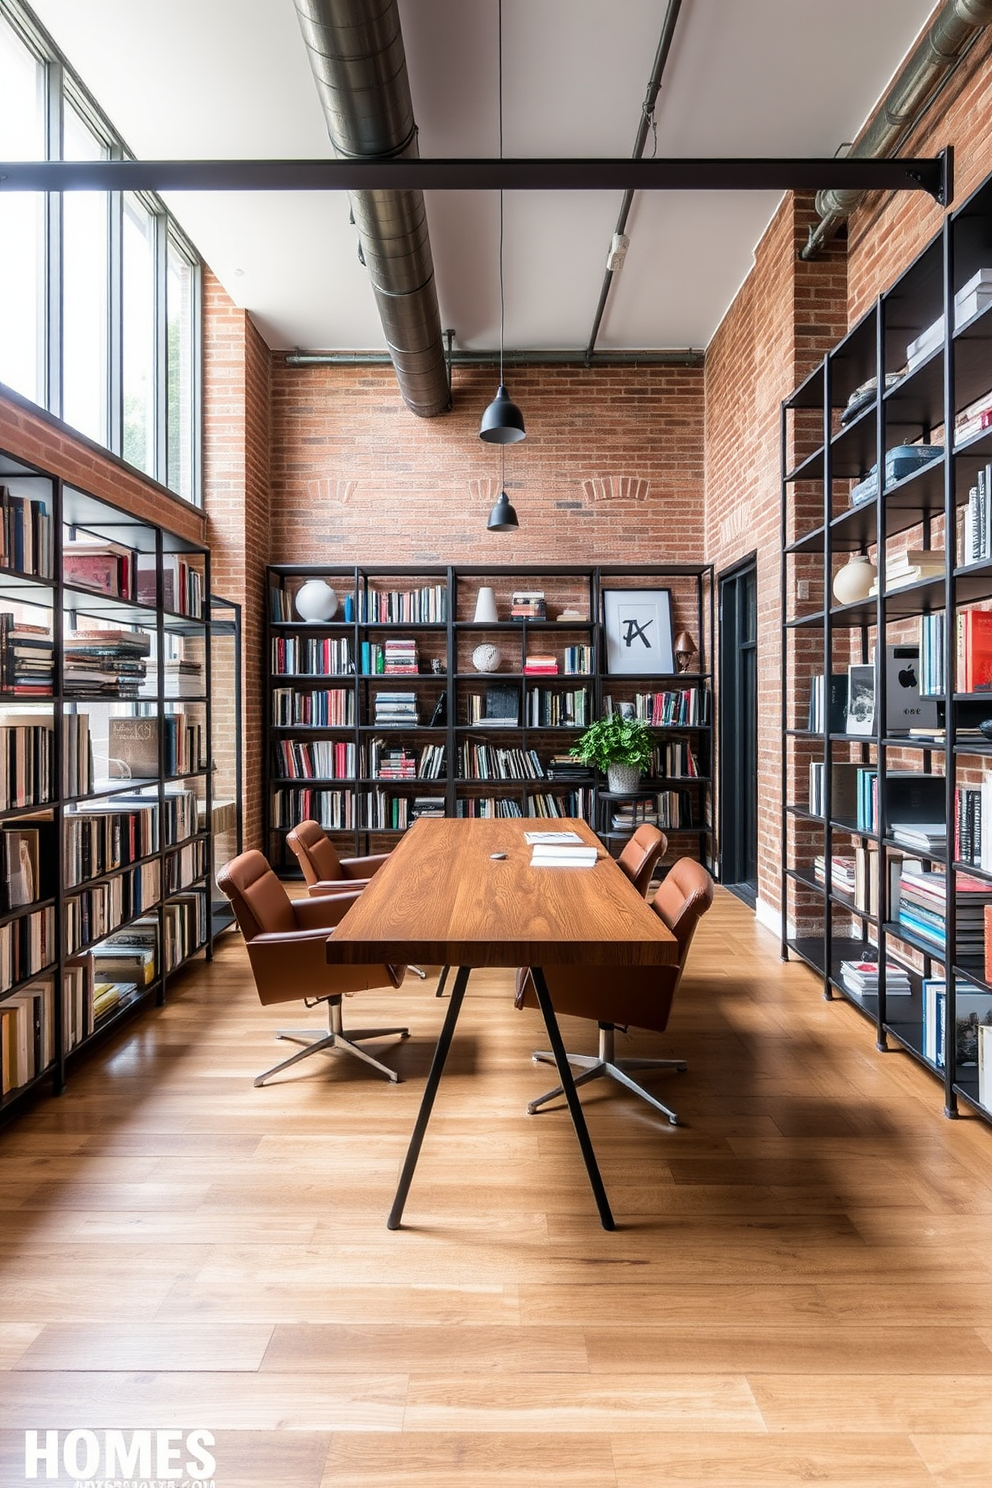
[(623, 780), (316, 600), (854, 580)]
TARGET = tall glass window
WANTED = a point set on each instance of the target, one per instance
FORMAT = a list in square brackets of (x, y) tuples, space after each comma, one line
[(180, 284), (138, 280), (85, 290), (23, 136), (99, 292)]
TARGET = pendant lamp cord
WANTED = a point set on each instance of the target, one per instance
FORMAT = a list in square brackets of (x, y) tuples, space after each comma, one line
[(499, 53)]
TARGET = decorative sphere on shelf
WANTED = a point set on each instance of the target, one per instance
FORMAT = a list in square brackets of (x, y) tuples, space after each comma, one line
[(316, 600), (486, 658), (854, 580)]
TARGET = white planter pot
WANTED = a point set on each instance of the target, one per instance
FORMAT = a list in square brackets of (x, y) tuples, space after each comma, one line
[(853, 581), (316, 600), (623, 780), (485, 607)]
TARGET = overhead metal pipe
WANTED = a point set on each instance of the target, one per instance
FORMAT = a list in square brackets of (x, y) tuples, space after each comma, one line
[(647, 114), (359, 64), (952, 30), (690, 357)]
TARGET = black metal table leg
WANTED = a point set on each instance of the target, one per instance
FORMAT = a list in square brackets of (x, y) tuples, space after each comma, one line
[(571, 1096), (427, 1102)]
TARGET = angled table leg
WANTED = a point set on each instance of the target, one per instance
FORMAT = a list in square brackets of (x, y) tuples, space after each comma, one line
[(574, 1105), (427, 1101)]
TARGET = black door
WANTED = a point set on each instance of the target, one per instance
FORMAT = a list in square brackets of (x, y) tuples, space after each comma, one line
[(738, 777)]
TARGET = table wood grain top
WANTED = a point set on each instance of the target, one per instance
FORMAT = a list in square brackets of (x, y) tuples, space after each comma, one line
[(443, 900)]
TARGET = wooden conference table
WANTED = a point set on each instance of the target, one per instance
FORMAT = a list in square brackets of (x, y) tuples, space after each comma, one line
[(443, 899)]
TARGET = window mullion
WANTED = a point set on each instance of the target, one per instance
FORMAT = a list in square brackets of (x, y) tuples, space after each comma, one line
[(161, 392), (115, 304), (54, 136)]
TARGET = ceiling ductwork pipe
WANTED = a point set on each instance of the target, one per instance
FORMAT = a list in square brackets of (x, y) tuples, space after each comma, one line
[(356, 53), (949, 34)]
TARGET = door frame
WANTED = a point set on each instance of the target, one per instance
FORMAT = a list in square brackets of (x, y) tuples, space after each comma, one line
[(728, 733)]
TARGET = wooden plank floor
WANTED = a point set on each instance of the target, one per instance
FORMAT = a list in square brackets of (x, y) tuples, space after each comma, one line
[(798, 1289)]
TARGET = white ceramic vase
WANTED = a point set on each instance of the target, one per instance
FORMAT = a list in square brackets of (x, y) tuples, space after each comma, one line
[(854, 580), (485, 607), (623, 780), (316, 600)]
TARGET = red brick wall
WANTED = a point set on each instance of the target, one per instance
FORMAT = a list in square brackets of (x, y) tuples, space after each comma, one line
[(610, 472), (236, 401)]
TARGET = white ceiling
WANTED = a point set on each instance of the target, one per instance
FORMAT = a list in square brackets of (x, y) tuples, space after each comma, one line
[(214, 79)]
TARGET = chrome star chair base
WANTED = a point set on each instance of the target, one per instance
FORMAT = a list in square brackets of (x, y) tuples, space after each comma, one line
[(605, 1063), (334, 1040)]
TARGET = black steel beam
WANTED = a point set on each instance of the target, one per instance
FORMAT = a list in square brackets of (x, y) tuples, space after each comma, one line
[(930, 175)]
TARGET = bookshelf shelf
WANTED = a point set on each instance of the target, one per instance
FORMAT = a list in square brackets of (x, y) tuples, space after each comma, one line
[(932, 394), (103, 628), (538, 710)]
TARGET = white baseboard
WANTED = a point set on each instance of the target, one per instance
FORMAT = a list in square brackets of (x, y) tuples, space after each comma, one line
[(767, 915)]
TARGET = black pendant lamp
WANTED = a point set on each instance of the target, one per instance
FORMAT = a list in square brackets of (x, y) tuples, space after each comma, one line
[(502, 518), (502, 422)]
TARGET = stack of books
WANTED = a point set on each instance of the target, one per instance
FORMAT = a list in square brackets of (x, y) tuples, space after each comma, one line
[(860, 978), (911, 567), (182, 675), (546, 666), (842, 873), (105, 661), (560, 850), (564, 767), (27, 657), (400, 657), (427, 806), (923, 910), (392, 762), (393, 709), (528, 604)]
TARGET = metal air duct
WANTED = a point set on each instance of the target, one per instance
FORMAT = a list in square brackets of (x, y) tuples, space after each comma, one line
[(356, 53), (951, 31)]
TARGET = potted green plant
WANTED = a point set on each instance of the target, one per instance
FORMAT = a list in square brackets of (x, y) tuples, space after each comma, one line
[(621, 747)]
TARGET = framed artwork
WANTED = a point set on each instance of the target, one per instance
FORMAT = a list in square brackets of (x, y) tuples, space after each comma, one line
[(638, 626)]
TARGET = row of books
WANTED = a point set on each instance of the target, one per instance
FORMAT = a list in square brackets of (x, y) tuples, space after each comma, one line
[(972, 1013), (182, 584), (133, 745), (27, 946), (25, 534), (96, 911), (185, 926), (186, 866), (328, 708), (392, 658), (972, 656), (333, 809), (27, 863), (27, 1034), (27, 760), (670, 810), (976, 531), (312, 656), (686, 707), (108, 835), (675, 760), (558, 708), (923, 909), (490, 762), (324, 759), (427, 605)]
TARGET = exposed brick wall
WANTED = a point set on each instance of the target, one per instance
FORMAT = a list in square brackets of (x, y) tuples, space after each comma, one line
[(30, 434), (610, 472), (236, 401)]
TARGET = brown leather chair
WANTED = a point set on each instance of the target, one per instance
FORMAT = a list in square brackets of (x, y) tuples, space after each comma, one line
[(286, 940), (639, 996), (323, 871), (642, 855)]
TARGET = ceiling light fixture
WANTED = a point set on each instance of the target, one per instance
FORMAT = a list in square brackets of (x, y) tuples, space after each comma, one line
[(502, 518), (502, 422)]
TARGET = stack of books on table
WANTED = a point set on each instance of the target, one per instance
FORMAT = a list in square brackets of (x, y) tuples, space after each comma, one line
[(541, 666), (560, 850), (860, 978), (395, 708), (109, 662), (528, 604), (27, 655), (910, 568), (400, 657)]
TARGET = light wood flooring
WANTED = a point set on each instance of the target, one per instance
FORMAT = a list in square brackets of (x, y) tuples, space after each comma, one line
[(798, 1290)]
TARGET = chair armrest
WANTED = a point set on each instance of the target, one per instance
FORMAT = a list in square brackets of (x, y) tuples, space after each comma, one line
[(363, 867), (322, 912), (337, 886)]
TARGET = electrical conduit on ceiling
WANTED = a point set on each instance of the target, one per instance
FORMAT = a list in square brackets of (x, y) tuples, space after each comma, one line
[(944, 42), (356, 53)]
